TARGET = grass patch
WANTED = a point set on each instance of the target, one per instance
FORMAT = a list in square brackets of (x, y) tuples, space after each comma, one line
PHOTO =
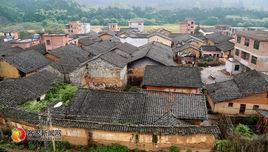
[(34, 27), (59, 92)]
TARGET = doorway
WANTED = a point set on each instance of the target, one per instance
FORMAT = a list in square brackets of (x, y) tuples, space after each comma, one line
[(242, 109)]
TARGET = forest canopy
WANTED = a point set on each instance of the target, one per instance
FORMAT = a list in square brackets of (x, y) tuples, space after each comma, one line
[(63, 11)]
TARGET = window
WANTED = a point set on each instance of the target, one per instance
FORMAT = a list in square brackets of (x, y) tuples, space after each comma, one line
[(237, 67), (246, 42), (245, 56), (256, 44), (48, 42), (254, 60), (230, 104), (255, 107), (238, 39), (154, 139), (237, 52)]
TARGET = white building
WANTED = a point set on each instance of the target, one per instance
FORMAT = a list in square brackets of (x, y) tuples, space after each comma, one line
[(136, 23), (134, 39), (232, 66), (85, 28)]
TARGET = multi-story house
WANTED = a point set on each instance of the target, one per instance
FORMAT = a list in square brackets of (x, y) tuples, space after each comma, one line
[(187, 26), (137, 24), (113, 27), (8, 36), (53, 41), (76, 27), (251, 50)]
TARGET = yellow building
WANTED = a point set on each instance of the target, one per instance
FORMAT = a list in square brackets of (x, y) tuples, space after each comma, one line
[(16, 62), (160, 38), (246, 93)]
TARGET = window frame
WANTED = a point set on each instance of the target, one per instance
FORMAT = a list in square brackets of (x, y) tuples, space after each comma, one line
[(244, 55), (252, 61), (256, 46), (230, 104)]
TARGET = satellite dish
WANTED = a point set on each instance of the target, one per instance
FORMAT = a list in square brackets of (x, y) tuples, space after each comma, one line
[(58, 105)]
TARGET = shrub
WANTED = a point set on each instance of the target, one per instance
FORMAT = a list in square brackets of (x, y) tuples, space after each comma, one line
[(59, 92), (111, 148), (31, 145), (221, 145), (243, 130), (174, 149)]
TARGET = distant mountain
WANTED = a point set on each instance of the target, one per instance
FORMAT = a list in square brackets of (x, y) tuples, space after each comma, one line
[(184, 4)]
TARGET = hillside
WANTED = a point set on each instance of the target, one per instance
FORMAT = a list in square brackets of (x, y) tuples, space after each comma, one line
[(62, 11), (182, 4)]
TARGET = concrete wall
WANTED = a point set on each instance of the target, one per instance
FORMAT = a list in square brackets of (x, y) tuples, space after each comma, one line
[(160, 39), (259, 99), (7, 70)]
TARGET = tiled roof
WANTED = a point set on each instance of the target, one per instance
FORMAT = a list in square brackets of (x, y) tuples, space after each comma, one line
[(41, 48), (144, 108), (183, 47), (126, 47), (243, 85), (160, 35), (178, 37), (17, 91), (146, 112), (155, 51), (166, 76), (117, 54), (28, 61), (217, 37), (86, 41), (83, 122), (10, 51), (209, 48), (70, 57), (100, 47), (225, 46)]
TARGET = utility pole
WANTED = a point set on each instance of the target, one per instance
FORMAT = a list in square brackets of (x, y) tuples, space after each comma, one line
[(50, 128)]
